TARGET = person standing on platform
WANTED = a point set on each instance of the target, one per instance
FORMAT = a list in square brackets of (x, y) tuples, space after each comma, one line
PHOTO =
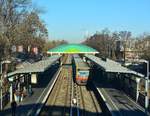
[(13, 107)]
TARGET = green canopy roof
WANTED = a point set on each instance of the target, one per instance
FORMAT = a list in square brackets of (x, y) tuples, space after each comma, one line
[(72, 48)]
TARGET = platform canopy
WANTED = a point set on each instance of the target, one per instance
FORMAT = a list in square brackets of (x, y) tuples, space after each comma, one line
[(36, 67), (72, 49), (112, 66)]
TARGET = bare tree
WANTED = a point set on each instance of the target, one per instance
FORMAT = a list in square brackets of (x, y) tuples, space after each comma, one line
[(11, 13)]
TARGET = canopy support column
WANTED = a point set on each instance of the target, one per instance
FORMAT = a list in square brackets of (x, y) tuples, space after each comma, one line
[(137, 88)]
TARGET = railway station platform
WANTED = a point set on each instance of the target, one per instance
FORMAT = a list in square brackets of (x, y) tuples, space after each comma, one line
[(118, 103), (118, 86), (122, 77), (27, 83), (31, 104)]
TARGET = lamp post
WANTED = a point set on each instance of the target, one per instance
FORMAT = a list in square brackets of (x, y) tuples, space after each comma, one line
[(147, 88), (1, 92)]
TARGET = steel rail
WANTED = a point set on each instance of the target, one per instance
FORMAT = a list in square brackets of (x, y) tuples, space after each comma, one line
[(94, 102)]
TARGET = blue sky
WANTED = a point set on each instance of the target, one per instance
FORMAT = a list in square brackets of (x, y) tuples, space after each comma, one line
[(72, 20)]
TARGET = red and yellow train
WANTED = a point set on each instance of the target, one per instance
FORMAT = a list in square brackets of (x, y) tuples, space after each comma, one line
[(80, 70)]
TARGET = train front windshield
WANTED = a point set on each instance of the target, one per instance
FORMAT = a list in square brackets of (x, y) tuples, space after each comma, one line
[(83, 73)]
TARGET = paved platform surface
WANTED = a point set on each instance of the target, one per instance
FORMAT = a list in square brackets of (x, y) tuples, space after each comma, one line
[(119, 102)]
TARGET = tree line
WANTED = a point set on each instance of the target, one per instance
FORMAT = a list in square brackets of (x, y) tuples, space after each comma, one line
[(20, 24), (111, 44)]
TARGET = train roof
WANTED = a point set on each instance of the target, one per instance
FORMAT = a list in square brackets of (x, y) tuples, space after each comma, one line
[(80, 63)]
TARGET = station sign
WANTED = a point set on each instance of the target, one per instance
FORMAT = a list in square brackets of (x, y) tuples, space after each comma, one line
[(34, 78)]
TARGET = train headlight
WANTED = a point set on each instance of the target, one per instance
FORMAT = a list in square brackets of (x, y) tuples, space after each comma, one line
[(74, 101)]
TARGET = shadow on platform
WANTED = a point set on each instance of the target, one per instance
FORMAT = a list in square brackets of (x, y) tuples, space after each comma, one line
[(23, 110)]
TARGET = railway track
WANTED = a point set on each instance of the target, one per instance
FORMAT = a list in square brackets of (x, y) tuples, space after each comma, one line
[(86, 102), (58, 102), (69, 99)]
